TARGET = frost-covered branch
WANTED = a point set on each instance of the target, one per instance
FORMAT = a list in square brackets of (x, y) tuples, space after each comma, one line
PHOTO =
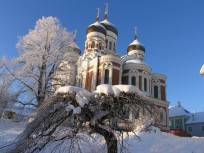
[(72, 110)]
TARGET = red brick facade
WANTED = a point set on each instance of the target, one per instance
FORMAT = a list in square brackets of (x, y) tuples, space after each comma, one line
[(89, 81), (125, 80), (163, 93), (115, 78)]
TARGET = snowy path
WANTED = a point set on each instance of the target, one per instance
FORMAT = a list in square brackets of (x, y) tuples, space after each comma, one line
[(151, 142)]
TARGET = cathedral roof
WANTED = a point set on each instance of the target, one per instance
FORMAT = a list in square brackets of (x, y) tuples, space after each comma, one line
[(109, 26), (96, 27), (136, 61), (136, 45)]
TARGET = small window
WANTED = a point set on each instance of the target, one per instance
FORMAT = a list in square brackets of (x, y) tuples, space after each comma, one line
[(110, 45), (114, 47), (145, 84), (189, 129), (177, 123), (202, 127), (156, 92), (92, 44), (161, 117), (133, 81), (106, 43), (100, 46), (106, 81)]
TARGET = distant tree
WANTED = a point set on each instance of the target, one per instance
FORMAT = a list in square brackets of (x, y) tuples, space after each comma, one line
[(7, 96), (67, 114), (41, 52)]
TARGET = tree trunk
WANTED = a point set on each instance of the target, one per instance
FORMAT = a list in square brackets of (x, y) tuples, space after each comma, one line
[(110, 138)]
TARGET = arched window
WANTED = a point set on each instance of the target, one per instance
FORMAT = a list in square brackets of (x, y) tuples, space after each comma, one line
[(162, 116), (110, 45), (100, 46), (156, 92), (106, 43), (114, 47), (133, 81), (106, 80), (92, 44), (145, 84)]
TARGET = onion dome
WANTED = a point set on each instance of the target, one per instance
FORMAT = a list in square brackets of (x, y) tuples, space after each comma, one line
[(73, 46), (96, 27), (136, 45), (108, 25)]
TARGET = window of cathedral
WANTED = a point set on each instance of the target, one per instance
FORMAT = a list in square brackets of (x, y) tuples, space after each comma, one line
[(161, 116), (92, 44), (106, 80), (110, 45), (114, 47), (145, 84), (156, 92), (133, 81), (106, 43), (100, 46)]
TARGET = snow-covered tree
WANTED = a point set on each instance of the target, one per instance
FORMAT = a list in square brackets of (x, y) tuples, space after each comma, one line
[(41, 52), (74, 110), (7, 96)]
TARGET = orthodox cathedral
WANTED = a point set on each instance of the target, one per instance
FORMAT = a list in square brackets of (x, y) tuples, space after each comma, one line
[(101, 64)]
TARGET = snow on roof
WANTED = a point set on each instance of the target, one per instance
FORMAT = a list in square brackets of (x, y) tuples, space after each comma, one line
[(178, 111), (97, 24), (136, 42), (116, 89), (137, 61), (195, 118)]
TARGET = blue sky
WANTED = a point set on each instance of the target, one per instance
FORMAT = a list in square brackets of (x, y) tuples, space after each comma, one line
[(171, 31)]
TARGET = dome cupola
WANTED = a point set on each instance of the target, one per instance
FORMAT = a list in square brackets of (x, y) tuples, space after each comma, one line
[(96, 26), (108, 25), (136, 48), (135, 45), (74, 47)]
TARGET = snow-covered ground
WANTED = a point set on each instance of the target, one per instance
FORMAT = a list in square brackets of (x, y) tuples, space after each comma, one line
[(149, 142)]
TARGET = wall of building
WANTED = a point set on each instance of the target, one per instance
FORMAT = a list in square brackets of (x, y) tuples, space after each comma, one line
[(196, 129)]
